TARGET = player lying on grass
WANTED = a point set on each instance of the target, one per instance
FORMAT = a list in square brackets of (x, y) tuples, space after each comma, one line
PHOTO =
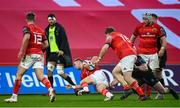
[(92, 74), (143, 74)]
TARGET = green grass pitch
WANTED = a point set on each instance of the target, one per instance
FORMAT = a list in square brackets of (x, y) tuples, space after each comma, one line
[(90, 100)]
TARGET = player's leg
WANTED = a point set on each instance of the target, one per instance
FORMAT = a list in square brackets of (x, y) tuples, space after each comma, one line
[(152, 81), (139, 77), (162, 90), (158, 74), (117, 73), (84, 85), (50, 66), (146, 88), (60, 71), (17, 84), (38, 66), (127, 65), (118, 76), (102, 88), (25, 63), (154, 65), (46, 82), (162, 64)]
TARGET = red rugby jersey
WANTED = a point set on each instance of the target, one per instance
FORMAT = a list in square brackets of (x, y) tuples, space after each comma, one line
[(86, 72), (121, 45), (148, 38), (37, 36)]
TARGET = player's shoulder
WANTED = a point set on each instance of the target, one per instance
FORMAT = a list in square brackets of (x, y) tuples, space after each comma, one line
[(39, 29), (114, 34), (26, 29), (156, 25), (140, 25)]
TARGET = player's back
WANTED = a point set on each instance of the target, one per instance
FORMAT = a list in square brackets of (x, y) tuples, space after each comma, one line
[(121, 45), (37, 36)]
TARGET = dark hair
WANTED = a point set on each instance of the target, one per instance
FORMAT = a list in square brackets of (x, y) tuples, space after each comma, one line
[(77, 59), (30, 16), (109, 30), (154, 15), (51, 15)]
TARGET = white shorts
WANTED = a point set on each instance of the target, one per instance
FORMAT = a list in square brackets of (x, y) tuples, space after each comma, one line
[(127, 63), (34, 60), (102, 77), (151, 60)]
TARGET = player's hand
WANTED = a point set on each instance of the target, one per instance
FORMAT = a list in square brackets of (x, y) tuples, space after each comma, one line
[(95, 59), (60, 53), (161, 53), (68, 86), (143, 67), (20, 55), (71, 86)]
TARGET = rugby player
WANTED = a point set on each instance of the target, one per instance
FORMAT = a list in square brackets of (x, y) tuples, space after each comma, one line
[(31, 54)]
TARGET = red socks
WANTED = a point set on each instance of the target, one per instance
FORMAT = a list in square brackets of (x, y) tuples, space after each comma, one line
[(17, 85), (46, 82), (148, 90), (136, 87), (104, 91), (126, 87), (84, 84)]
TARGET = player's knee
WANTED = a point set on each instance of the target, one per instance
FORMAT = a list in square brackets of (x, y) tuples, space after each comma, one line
[(40, 78), (49, 73), (158, 70), (19, 75), (60, 70), (50, 67), (114, 72)]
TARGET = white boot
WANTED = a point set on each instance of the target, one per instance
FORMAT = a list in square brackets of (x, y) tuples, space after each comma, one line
[(159, 96), (12, 99), (109, 96), (52, 95)]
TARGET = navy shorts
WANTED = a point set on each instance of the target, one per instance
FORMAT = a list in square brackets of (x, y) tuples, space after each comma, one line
[(53, 57)]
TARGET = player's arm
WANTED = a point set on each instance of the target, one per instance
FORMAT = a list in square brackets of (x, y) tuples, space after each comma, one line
[(133, 38), (73, 86), (134, 35), (25, 42), (105, 48), (163, 42), (45, 44), (163, 46)]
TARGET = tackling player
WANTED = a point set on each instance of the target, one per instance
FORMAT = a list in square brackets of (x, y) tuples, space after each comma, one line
[(143, 74), (127, 56), (31, 54)]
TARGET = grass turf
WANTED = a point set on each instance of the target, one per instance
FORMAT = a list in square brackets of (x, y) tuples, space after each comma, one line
[(90, 100)]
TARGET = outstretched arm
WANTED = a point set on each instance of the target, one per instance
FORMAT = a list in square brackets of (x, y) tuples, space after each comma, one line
[(104, 49)]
